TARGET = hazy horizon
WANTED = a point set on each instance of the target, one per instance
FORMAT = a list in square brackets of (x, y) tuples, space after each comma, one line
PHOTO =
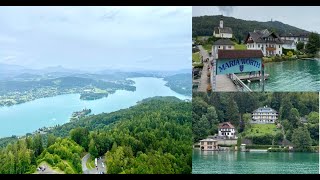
[(300, 17), (97, 38)]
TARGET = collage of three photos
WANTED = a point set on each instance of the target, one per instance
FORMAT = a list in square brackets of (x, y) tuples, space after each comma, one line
[(118, 90)]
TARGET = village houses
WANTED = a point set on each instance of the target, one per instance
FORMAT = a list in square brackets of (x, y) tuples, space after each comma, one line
[(221, 31), (264, 115)]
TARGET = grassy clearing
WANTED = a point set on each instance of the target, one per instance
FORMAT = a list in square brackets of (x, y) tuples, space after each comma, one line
[(240, 47), (90, 163), (262, 129), (196, 57)]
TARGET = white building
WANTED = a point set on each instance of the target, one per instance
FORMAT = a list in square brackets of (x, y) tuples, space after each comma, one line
[(227, 130), (296, 37), (264, 115), (221, 31), (268, 42), (222, 44), (289, 44), (208, 145)]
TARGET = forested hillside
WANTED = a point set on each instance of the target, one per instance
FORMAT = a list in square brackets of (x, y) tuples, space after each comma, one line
[(153, 137), (203, 26), (209, 111)]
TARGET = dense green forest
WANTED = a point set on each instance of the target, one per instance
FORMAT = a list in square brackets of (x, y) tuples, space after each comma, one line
[(153, 137), (210, 110), (180, 83), (203, 26)]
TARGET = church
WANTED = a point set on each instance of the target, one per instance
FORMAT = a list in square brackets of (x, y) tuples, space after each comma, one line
[(221, 31)]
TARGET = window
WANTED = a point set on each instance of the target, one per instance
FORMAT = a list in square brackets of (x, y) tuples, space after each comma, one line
[(202, 143), (219, 46), (229, 47), (227, 133), (279, 47), (209, 143), (279, 52), (209, 147), (258, 45)]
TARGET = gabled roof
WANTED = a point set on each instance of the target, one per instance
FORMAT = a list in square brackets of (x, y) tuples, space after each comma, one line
[(226, 125), (222, 30), (260, 36), (235, 54), (223, 42)]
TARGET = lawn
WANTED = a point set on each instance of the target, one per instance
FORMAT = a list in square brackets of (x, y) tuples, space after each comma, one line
[(196, 57), (262, 129), (240, 47)]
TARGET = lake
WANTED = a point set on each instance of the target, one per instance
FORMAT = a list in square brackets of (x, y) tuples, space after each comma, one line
[(296, 75), (213, 162), (30, 116)]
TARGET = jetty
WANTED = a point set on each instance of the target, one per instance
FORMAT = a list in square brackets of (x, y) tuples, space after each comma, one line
[(252, 77)]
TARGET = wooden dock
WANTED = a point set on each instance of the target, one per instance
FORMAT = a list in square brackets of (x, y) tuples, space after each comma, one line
[(225, 84), (252, 77)]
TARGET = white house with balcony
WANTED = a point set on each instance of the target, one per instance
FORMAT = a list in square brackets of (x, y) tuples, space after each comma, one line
[(221, 44), (302, 37), (264, 115), (227, 131), (221, 31), (268, 42)]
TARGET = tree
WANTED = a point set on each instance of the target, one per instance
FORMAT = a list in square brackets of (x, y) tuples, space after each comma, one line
[(80, 136), (294, 117), (93, 149), (313, 44), (201, 128), (212, 118), (246, 118), (286, 107), (313, 117), (300, 46), (232, 113), (51, 140), (301, 139), (289, 53), (37, 145)]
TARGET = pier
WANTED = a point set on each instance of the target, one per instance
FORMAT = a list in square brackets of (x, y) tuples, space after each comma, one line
[(252, 77)]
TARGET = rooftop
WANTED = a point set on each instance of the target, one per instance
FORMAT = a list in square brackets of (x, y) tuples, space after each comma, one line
[(265, 109), (208, 140), (261, 36), (234, 54), (226, 125), (222, 30), (223, 42)]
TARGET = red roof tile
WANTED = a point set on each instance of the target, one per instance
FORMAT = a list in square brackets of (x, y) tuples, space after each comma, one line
[(226, 125), (234, 54)]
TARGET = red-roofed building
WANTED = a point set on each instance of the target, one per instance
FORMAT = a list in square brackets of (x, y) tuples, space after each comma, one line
[(227, 130)]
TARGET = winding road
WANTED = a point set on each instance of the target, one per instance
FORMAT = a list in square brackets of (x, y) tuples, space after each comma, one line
[(97, 170)]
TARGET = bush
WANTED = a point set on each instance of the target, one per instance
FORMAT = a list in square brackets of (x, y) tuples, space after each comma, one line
[(68, 170), (61, 166), (290, 54)]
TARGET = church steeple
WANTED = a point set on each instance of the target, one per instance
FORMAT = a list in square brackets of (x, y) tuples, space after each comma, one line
[(221, 22)]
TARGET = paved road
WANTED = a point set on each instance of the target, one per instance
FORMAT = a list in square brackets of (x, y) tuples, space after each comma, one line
[(84, 160), (97, 170), (204, 78)]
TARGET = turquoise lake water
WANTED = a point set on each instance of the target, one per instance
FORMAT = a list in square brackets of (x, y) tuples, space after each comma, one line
[(296, 75), (30, 116), (213, 162)]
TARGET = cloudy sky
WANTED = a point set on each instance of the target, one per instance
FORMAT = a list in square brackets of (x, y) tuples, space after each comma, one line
[(130, 38), (305, 17)]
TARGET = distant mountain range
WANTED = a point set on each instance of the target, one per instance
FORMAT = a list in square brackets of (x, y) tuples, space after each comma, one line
[(8, 71), (203, 26)]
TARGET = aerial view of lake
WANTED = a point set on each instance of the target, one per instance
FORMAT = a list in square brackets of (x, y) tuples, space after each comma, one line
[(233, 162), (46, 112), (295, 75)]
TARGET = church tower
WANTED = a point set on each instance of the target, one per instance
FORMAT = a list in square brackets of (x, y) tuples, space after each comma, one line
[(221, 22)]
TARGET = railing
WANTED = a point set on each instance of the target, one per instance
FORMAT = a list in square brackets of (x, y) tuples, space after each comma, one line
[(240, 85)]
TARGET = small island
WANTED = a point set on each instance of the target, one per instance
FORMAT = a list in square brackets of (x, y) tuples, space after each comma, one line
[(80, 114)]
